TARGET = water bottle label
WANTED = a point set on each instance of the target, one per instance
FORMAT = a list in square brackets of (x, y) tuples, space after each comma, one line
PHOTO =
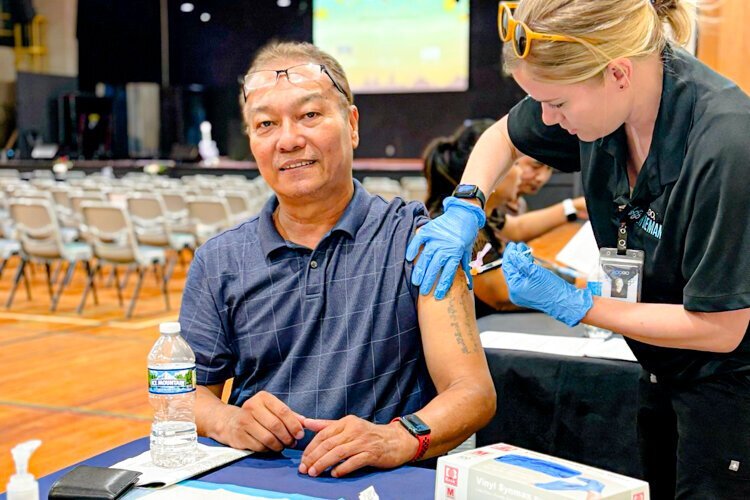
[(171, 381)]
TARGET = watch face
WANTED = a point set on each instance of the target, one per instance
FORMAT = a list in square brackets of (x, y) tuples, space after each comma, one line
[(415, 425), (465, 189)]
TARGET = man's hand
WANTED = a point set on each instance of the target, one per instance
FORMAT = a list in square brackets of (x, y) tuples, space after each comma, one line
[(351, 443), (263, 423)]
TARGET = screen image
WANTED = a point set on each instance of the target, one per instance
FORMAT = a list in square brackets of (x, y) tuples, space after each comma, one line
[(396, 46)]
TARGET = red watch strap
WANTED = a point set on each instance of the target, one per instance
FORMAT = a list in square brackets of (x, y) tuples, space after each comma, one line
[(422, 447)]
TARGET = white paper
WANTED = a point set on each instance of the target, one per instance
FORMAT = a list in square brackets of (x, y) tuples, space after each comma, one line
[(581, 252), (210, 458), (369, 493), (613, 348), (549, 344)]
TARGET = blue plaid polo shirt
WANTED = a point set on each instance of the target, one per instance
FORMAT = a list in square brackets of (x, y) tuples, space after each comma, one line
[(331, 331)]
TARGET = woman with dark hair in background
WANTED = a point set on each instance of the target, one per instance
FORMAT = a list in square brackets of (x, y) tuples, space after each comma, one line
[(444, 162)]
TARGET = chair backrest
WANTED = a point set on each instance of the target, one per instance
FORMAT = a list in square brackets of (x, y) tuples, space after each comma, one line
[(111, 232), (210, 216), (239, 204), (383, 186), (147, 213), (37, 228), (174, 202)]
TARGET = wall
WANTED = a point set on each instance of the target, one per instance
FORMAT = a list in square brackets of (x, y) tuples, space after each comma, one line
[(724, 42)]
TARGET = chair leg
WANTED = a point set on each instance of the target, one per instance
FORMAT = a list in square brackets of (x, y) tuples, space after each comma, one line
[(48, 272), (112, 276), (26, 283), (58, 268), (93, 284), (141, 272), (126, 278), (2, 267), (162, 280), (90, 277), (117, 285), (16, 280), (63, 283)]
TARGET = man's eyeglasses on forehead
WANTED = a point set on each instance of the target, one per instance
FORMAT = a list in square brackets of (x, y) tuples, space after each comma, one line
[(299, 73)]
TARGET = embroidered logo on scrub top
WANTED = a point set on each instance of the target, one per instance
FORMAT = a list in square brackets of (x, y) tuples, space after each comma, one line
[(648, 223)]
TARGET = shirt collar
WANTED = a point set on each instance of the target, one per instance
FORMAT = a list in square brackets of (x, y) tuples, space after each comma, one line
[(352, 219), (673, 124)]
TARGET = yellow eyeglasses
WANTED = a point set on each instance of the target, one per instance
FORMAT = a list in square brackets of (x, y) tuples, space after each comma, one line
[(510, 29)]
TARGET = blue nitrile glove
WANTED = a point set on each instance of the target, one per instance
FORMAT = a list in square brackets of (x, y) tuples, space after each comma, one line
[(530, 285), (447, 242)]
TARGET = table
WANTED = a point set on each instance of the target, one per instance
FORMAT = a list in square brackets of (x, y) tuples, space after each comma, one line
[(580, 409), (279, 472)]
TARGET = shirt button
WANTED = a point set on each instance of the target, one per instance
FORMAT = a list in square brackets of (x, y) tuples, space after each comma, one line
[(314, 264)]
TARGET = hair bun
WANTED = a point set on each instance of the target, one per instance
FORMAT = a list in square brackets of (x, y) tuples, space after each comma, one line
[(663, 6)]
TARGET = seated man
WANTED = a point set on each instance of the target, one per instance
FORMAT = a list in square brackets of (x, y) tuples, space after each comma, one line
[(309, 306)]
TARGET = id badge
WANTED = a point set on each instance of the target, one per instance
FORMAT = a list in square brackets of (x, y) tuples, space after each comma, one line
[(621, 274)]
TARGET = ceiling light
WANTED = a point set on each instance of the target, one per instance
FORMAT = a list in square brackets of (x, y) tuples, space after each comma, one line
[(187, 7), (205, 17), (283, 3)]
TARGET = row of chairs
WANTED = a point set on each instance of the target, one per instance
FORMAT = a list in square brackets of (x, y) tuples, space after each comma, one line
[(140, 235)]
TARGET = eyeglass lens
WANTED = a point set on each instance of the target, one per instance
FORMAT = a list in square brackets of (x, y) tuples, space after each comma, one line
[(520, 39), (296, 74), (504, 23)]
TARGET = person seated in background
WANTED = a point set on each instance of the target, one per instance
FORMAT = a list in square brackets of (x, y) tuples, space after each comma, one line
[(444, 162), (534, 175), (309, 305)]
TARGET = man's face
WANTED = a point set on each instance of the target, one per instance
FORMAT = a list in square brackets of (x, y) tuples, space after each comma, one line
[(507, 190), (534, 174), (589, 110), (302, 137)]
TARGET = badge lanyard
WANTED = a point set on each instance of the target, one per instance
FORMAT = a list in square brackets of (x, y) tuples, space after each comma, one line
[(621, 268)]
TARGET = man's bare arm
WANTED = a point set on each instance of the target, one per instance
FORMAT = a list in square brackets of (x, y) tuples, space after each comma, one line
[(458, 367)]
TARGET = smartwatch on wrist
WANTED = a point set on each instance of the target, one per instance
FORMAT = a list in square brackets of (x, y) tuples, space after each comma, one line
[(570, 210), (470, 191), (419, 430)]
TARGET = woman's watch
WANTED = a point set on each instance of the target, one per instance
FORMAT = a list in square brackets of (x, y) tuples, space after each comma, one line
[(419, 430), (570, 209), (470, 191)]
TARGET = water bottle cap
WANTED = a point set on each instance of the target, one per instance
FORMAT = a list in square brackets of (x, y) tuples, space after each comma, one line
[(169, 328)]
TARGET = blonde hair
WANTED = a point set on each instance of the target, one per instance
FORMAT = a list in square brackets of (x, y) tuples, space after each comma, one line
[(276, 50), (604, 29)]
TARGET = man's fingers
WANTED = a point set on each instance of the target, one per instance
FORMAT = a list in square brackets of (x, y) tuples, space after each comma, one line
[(267, 438), (351, 464), (336, 451), (316, 424), (284, 424)]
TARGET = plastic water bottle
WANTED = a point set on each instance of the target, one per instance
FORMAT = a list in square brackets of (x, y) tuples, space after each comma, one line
[(594, 284), (171, 391)]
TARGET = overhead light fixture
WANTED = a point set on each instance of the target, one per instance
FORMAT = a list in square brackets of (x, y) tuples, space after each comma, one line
[(283, 3), (205, 17), (187, 7)]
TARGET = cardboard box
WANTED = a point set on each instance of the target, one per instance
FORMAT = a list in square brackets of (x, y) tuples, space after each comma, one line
[(503, 471)]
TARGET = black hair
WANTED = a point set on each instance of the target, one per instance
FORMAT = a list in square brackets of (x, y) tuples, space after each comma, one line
[(445, 160)]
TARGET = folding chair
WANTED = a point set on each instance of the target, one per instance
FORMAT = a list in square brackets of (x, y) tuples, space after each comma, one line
[(41, 240), (209, 216), (115, 243)]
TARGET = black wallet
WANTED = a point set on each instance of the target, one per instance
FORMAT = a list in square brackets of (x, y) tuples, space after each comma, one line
[(93, 483)]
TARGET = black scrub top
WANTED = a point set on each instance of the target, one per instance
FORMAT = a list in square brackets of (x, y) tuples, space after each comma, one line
[(690, 206)]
